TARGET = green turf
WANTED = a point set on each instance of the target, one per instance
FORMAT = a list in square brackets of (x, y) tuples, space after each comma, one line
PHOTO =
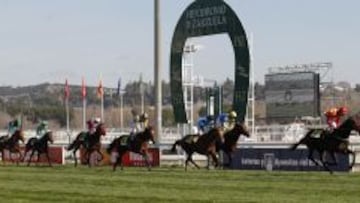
[(68, 184)]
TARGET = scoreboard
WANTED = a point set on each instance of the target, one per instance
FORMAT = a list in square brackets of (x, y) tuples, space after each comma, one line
[(291, 95)]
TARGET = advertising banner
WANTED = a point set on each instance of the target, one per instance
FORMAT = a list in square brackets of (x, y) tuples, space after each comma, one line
[(281, 159), (56, 154), (129, 159)]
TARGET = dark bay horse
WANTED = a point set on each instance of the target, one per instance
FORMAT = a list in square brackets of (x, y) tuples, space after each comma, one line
[(139, 145), (333, 142), (231, 138), (90, 143), (204, 144), (12, 144), (39, 145)]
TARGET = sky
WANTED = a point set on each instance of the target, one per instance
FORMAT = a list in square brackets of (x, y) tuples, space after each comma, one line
[(49, 41)]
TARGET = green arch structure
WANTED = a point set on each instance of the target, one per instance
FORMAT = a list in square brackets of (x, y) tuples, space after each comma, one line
[(209, 17)]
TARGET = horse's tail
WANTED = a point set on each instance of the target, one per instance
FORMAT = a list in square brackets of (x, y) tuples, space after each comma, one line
[(30, 144), (302, 140), (75, 142), (71, 146), (111, 146), (173, 148)]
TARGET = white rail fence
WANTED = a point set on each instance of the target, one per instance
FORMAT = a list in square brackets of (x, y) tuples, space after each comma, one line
[(279, 136)]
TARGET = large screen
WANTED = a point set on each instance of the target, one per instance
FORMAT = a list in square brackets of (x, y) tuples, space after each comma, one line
[(292, 95)]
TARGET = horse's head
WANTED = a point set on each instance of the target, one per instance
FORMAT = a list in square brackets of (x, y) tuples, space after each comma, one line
[(149, 134), (100, 129), (19, 135), (241, 129), (49, 136)]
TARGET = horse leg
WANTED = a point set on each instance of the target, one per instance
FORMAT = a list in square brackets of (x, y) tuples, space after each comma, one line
[(3, 156), (88, 158), (31, 155), (48, 158), (75, 158), (208, 161), (349, 151), (20, 156), (192, 161), (311, 158), (146, 158), (229, 164), (325, 164), (334, 159), (38, 158), (215, 159), (11, 159), (187, 161), (117, 161), (101, 155)]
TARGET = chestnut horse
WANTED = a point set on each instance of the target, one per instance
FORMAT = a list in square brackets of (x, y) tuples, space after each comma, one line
[(204, 144), (90, 142), (231, 138), (139, 145)]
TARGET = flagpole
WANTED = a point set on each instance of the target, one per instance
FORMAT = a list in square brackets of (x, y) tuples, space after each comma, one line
[(67, 115), (141, 94), (102, 107), (84, 113), (121, 110), (83, 96)]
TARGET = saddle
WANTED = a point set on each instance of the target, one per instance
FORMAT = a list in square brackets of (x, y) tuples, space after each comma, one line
[(192, 139)]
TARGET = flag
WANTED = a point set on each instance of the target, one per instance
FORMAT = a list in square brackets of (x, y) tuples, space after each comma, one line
[(118, 92), (83, 89), (66, 90), (100, 90)]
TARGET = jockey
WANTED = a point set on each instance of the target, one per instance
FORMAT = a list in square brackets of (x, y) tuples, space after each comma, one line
[(92, 124), (135, 127), (231, 121), (334, 115), (144, 121), (42, 128), (221, 120), (205, 124), (13, 126)]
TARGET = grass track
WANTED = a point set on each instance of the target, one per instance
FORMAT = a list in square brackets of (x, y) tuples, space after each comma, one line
[(68, 184)]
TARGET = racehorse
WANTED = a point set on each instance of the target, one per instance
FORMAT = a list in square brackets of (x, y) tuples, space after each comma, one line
[(230, 140), (40, 145), (333, 142), (139, 145), (90, 143), (204, 144), (12, 145)]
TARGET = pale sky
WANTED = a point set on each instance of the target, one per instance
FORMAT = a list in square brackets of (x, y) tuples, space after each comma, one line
[(48, 41)]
